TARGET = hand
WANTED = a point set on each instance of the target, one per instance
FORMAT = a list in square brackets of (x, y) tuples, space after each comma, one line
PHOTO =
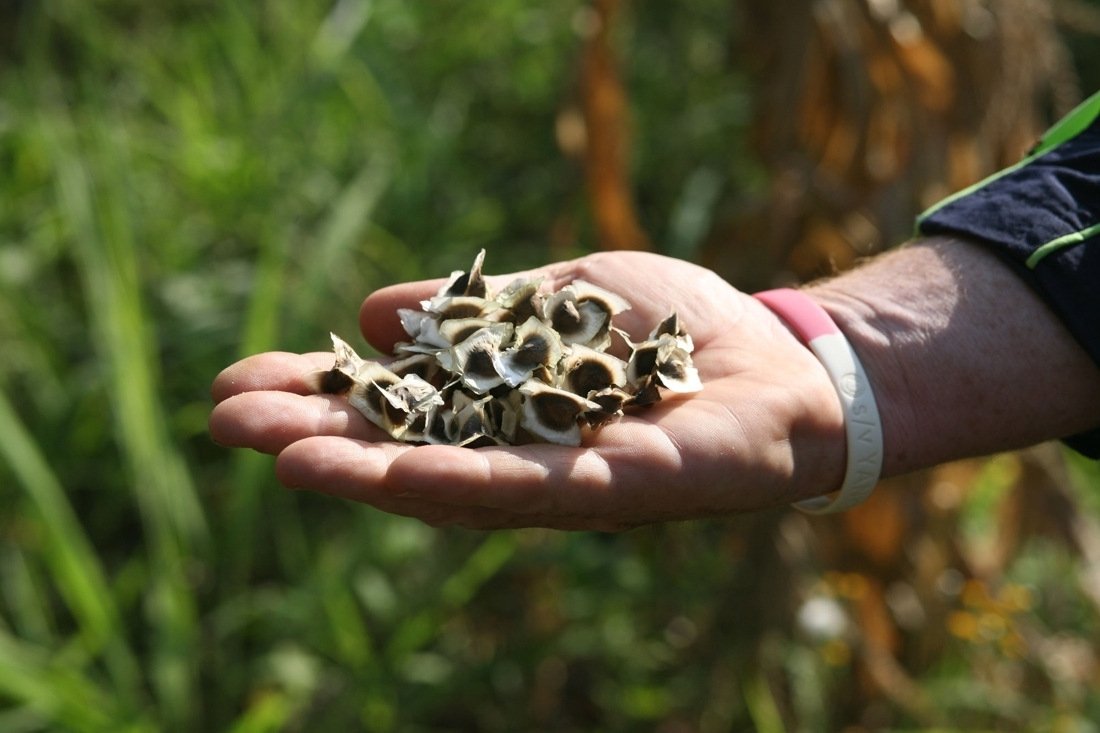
[(766, 430)]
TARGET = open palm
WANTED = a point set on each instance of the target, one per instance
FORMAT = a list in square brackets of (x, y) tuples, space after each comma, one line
[(766, 429)]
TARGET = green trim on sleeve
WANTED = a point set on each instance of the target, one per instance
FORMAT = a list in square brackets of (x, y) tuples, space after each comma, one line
[(1063, 241), (1069, 126), (967, 191), (1065, 129)]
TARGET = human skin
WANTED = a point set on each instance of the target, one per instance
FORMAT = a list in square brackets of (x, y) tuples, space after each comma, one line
[(964, 357), (955, 346)]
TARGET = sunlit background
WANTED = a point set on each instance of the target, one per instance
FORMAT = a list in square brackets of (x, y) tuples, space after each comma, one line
[(185, 182)]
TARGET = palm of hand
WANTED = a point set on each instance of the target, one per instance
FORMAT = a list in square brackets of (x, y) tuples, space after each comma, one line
[(732, 447)]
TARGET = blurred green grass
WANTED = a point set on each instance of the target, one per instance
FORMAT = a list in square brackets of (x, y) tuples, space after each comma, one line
[(189, 182)]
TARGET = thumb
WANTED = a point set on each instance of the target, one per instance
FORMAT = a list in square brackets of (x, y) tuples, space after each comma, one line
[(378, 319)]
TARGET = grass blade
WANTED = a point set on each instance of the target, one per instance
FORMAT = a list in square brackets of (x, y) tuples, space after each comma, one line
[(103, 237), (71, 557), (481, 565), (60, 692)]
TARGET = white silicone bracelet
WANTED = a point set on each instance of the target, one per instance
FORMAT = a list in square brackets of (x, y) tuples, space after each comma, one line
[(861, 419)]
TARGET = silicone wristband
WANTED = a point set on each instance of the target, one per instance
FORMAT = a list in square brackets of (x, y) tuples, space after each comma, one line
[(862, 426)]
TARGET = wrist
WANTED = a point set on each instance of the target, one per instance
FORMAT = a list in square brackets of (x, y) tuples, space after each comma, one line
[(873, 330), (797, 403), (863, 431), (964, 358)]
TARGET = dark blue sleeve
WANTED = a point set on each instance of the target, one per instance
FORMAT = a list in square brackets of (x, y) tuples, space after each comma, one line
[(1042, 217)]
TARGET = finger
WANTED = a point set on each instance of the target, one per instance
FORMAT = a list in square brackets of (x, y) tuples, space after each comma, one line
[(647, 275), (542, 479), (378, 318), (612, 479), (360, 471), (275, 370), (350, 469), (269, 421), (532, 480)]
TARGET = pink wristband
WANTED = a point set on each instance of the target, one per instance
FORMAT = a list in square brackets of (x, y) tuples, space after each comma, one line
[(862, 425)]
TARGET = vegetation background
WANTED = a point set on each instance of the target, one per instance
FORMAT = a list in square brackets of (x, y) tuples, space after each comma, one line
[(187, 182)]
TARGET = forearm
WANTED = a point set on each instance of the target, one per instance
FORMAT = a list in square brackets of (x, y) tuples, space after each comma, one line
[(963, 357)]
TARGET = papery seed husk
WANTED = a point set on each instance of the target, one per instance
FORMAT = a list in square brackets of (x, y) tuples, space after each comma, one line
[(408, 349), (462, 282), (642, 362), (460, 306), (552, 414), (475, 283), (560, 312), (647, 394), (674, 368), (457, 330), (521, 298), (331, 381), (577, 322), (678, 375), (438, 429), (512, 367), (670, 326), (347, 360), (472, 359), (611, 401), (476, 417), (511, 410), (535, 346), (412, 394), (611, 303), (365, 395), (480, 440), (517, 291), (587, 370), (424, 366), (413, 321), (582, 312)]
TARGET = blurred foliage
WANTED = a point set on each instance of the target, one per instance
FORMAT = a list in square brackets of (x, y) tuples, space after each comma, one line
[(187, 182)]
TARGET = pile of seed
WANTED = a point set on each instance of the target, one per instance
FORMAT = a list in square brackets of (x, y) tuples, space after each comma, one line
[(512, 367)]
